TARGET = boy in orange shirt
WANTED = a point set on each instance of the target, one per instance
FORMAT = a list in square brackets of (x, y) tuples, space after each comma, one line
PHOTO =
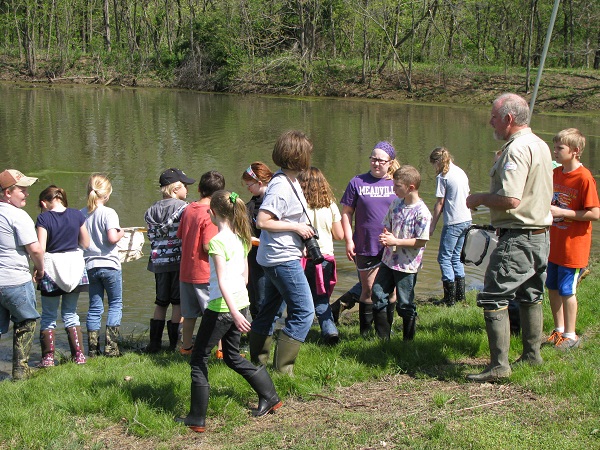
[(195, 231), (574, 206)]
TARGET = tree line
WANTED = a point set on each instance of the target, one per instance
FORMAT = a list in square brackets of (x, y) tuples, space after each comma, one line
[(215, 44)]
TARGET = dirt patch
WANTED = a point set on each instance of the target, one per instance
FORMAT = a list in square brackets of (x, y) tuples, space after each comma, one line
[(398, 407)]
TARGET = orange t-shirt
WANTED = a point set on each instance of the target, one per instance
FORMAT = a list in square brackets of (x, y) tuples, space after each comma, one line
[(571, 240), (195, 230)]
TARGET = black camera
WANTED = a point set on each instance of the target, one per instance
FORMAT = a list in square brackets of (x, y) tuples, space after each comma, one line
[(313, 252)]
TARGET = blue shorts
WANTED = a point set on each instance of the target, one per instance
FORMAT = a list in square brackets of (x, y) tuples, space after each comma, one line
[(562, 279)]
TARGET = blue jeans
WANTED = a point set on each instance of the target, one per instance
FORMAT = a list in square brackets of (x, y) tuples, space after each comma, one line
[(386, 281), (451, 244), (287, 281), (110, 280), (217, 327), (321, 302), (256, 289), (68, 310), (17, 303)]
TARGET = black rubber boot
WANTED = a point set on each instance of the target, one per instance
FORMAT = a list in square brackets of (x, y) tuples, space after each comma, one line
[(460, 289), (409, 326), (365, 317), (196, 419), (268, 400), (156, 331), (382, 323), (173, 332), (514, 318)]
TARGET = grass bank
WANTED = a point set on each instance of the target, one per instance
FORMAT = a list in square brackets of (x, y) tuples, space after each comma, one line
[(360, 394)]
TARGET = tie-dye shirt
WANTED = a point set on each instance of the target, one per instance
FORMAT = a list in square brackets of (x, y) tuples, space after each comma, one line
[(406, 222)]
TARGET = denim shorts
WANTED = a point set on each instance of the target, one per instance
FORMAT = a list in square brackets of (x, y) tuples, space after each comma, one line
[(17, 303)]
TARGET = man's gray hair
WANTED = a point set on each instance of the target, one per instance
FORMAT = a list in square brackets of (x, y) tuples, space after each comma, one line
[(515, 105)]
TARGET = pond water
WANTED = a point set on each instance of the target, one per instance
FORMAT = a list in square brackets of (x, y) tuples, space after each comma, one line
[(61, 134)]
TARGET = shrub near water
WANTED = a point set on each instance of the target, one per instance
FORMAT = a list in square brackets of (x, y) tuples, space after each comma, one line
[(69, 405)]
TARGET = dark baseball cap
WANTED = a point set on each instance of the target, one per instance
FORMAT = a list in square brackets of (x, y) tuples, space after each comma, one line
[(173, 175)]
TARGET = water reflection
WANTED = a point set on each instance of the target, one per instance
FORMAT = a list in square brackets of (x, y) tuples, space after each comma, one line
[(62, 134)]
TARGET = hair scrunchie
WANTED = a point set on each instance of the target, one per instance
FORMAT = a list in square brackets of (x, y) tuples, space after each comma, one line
[(233, 197)]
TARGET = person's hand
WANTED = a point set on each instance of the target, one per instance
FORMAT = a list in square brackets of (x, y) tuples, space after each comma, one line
[(557, 212), (38, 275), (386, 238), (240, 322), (305, 231), (350, 251), (473, 201)]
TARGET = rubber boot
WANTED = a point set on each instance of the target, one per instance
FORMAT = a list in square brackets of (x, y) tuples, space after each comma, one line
[(460, 289), (409, 327), (498, 332), (382, 324), (111, 345), (268, 400), (391, 309), (532, 322), (449, 294), (365, 317), (335, 310), (196, 419), (514, 318), (76, 344), (94, 343), (22, 340), (173, 332), (260, 348), (156, 331), (286, 351), (47, 344)]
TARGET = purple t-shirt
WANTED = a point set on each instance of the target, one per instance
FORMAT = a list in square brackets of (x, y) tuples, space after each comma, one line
[(371, 198), (62, 228)]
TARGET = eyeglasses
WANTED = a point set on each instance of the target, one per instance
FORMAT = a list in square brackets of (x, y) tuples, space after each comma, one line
[(252, 184), (379, 161)]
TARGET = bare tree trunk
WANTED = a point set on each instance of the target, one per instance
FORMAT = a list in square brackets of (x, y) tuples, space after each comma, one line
[(107, 42), (532, 9)]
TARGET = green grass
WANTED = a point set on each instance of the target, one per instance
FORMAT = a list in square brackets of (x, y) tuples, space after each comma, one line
[(68, 406)]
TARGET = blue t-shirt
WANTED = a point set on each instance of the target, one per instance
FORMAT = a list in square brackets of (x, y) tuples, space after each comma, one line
[(62, 228)]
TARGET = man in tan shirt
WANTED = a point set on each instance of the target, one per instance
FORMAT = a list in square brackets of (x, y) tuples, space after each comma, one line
[(519, 202)]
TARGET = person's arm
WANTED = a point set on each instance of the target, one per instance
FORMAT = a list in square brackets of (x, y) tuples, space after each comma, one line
[(437, 212), (389, 240), (347, 215), (42, 235), (492, 201), (36, 253), (114, 235), (582, 215), (238, 318), (84, 237), (266, 220), (337, 231)]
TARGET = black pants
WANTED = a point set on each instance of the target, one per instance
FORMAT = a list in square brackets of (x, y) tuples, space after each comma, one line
[(214, 327)]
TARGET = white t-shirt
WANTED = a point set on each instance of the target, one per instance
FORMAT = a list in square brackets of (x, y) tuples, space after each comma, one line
[(323, 220), (454, 189), (101, 253), (281, 201), (16, 231)]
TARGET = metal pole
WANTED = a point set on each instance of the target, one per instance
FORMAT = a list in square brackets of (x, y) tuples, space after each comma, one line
[(543, 58)]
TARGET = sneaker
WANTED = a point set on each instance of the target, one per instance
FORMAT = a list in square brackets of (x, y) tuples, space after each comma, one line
[(582, 274), (186, 351), (553, 338), (567, 343)]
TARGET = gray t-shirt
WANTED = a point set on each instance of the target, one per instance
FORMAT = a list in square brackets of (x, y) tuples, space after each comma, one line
[(101, 253), (454, 189), (16, 231), (279, 247)]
